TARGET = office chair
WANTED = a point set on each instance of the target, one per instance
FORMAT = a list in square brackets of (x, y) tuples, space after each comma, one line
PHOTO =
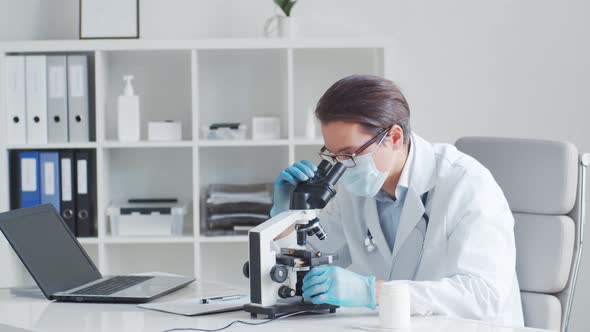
[(543, 182)]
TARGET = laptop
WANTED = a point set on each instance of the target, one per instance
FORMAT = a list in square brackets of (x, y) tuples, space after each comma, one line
[(63, 270), (8, 328)]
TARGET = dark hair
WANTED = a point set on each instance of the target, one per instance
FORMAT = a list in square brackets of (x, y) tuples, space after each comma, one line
[(372, 101)]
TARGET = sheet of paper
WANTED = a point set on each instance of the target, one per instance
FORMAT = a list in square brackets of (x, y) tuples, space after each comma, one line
[(194, 307)]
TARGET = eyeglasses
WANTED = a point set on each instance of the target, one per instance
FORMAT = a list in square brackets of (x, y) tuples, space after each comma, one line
[(349, 159)]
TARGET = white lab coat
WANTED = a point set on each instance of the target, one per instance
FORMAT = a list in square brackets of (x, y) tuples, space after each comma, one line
[(464, 266)]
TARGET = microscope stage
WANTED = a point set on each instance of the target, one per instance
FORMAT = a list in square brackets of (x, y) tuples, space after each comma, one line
[(289, 307)]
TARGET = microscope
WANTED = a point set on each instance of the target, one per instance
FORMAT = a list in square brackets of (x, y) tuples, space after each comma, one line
[(276, 274)]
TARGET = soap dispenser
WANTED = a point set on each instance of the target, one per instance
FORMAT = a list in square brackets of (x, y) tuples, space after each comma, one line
[(128, 114)]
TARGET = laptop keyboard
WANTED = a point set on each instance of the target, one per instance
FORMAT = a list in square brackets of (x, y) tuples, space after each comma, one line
[(112, 285)]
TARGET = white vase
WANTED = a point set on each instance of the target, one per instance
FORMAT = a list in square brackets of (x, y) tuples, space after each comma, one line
[(288, 27)]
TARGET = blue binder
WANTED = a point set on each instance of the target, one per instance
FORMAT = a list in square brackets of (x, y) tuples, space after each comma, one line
[(29, 186), (50, 179)]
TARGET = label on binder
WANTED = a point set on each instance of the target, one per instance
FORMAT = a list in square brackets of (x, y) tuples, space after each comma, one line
[(76, 81), (48, 169), (28, 168), (66, 180), (82, 177), (57, 84)]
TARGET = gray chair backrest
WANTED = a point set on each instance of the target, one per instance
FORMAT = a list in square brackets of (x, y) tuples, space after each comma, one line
[(543, 183)]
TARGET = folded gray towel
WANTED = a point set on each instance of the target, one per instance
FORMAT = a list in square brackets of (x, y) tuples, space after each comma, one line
[(229, 223), (239, 188), (231, 205), (238, 208), (225, 232)]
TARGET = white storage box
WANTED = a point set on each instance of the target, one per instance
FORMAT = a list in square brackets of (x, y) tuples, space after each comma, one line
[(224, 131), (266, 127), (164, 131), (147, 219)]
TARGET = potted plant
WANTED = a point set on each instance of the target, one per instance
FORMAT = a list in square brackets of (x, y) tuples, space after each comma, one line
[(287, 25), (286, 6)]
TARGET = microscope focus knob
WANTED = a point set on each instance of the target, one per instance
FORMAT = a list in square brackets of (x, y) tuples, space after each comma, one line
[(286, 292), (246, 269), (278, 273)]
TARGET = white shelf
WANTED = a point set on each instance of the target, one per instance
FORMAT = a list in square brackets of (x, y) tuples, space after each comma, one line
[(196, 82), (182, 144), (52, 146), (236, 143), (306, 141), (224, 239), (147, 240), (197, 44), (146, 144)]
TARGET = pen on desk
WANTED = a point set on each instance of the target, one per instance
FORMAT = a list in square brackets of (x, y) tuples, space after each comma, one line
[(221, 298)]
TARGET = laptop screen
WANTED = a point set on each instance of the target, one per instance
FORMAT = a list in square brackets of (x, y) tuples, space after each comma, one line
[(48, 249)]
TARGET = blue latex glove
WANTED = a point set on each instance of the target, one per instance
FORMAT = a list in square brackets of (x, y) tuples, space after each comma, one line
[(286, 182), (338, 286)]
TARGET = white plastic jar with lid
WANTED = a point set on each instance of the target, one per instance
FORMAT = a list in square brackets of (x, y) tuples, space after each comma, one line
[(394, 305)]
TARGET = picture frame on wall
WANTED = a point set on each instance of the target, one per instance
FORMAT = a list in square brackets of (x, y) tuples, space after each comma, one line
[(109, 19)]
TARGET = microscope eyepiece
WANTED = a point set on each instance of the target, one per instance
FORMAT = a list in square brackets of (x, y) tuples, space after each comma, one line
[(335, 173), (324, 167), (316, 192)]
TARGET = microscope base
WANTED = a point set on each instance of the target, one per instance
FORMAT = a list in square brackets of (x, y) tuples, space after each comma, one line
[(272, 312)]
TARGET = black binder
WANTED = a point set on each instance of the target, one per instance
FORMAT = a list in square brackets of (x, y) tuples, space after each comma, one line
[(14, 171), (84, 189), (67, 187)]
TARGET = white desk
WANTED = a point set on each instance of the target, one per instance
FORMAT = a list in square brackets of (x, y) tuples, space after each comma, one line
[(38, 314)]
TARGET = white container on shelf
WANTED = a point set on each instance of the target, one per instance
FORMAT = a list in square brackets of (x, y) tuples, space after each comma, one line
[(310, 125), (164, 131), (266, 127), (128, 115), (224, 132), (147, 219)]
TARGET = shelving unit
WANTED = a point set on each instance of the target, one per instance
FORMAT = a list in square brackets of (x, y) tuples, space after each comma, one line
[(196, 82)]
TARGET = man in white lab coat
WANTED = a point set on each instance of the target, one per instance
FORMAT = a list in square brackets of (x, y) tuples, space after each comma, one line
[(407, 211)]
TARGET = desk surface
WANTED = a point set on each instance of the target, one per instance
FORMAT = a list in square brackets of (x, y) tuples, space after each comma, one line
[(37, 314)]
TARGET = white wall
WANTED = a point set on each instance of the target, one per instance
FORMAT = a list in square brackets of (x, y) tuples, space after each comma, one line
[(502, 67), (22, 19)]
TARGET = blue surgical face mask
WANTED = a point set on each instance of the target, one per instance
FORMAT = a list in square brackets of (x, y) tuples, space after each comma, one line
[(364, 179)]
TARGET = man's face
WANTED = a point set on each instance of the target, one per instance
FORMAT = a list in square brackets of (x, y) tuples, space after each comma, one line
[(342, 137)]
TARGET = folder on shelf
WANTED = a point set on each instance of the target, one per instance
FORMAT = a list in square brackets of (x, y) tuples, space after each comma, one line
[(67, 177), (84, 213), (49, 175), (36, 98), (16, 129), (14, 180), (29, 186), (78, 101), (57, 99)]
